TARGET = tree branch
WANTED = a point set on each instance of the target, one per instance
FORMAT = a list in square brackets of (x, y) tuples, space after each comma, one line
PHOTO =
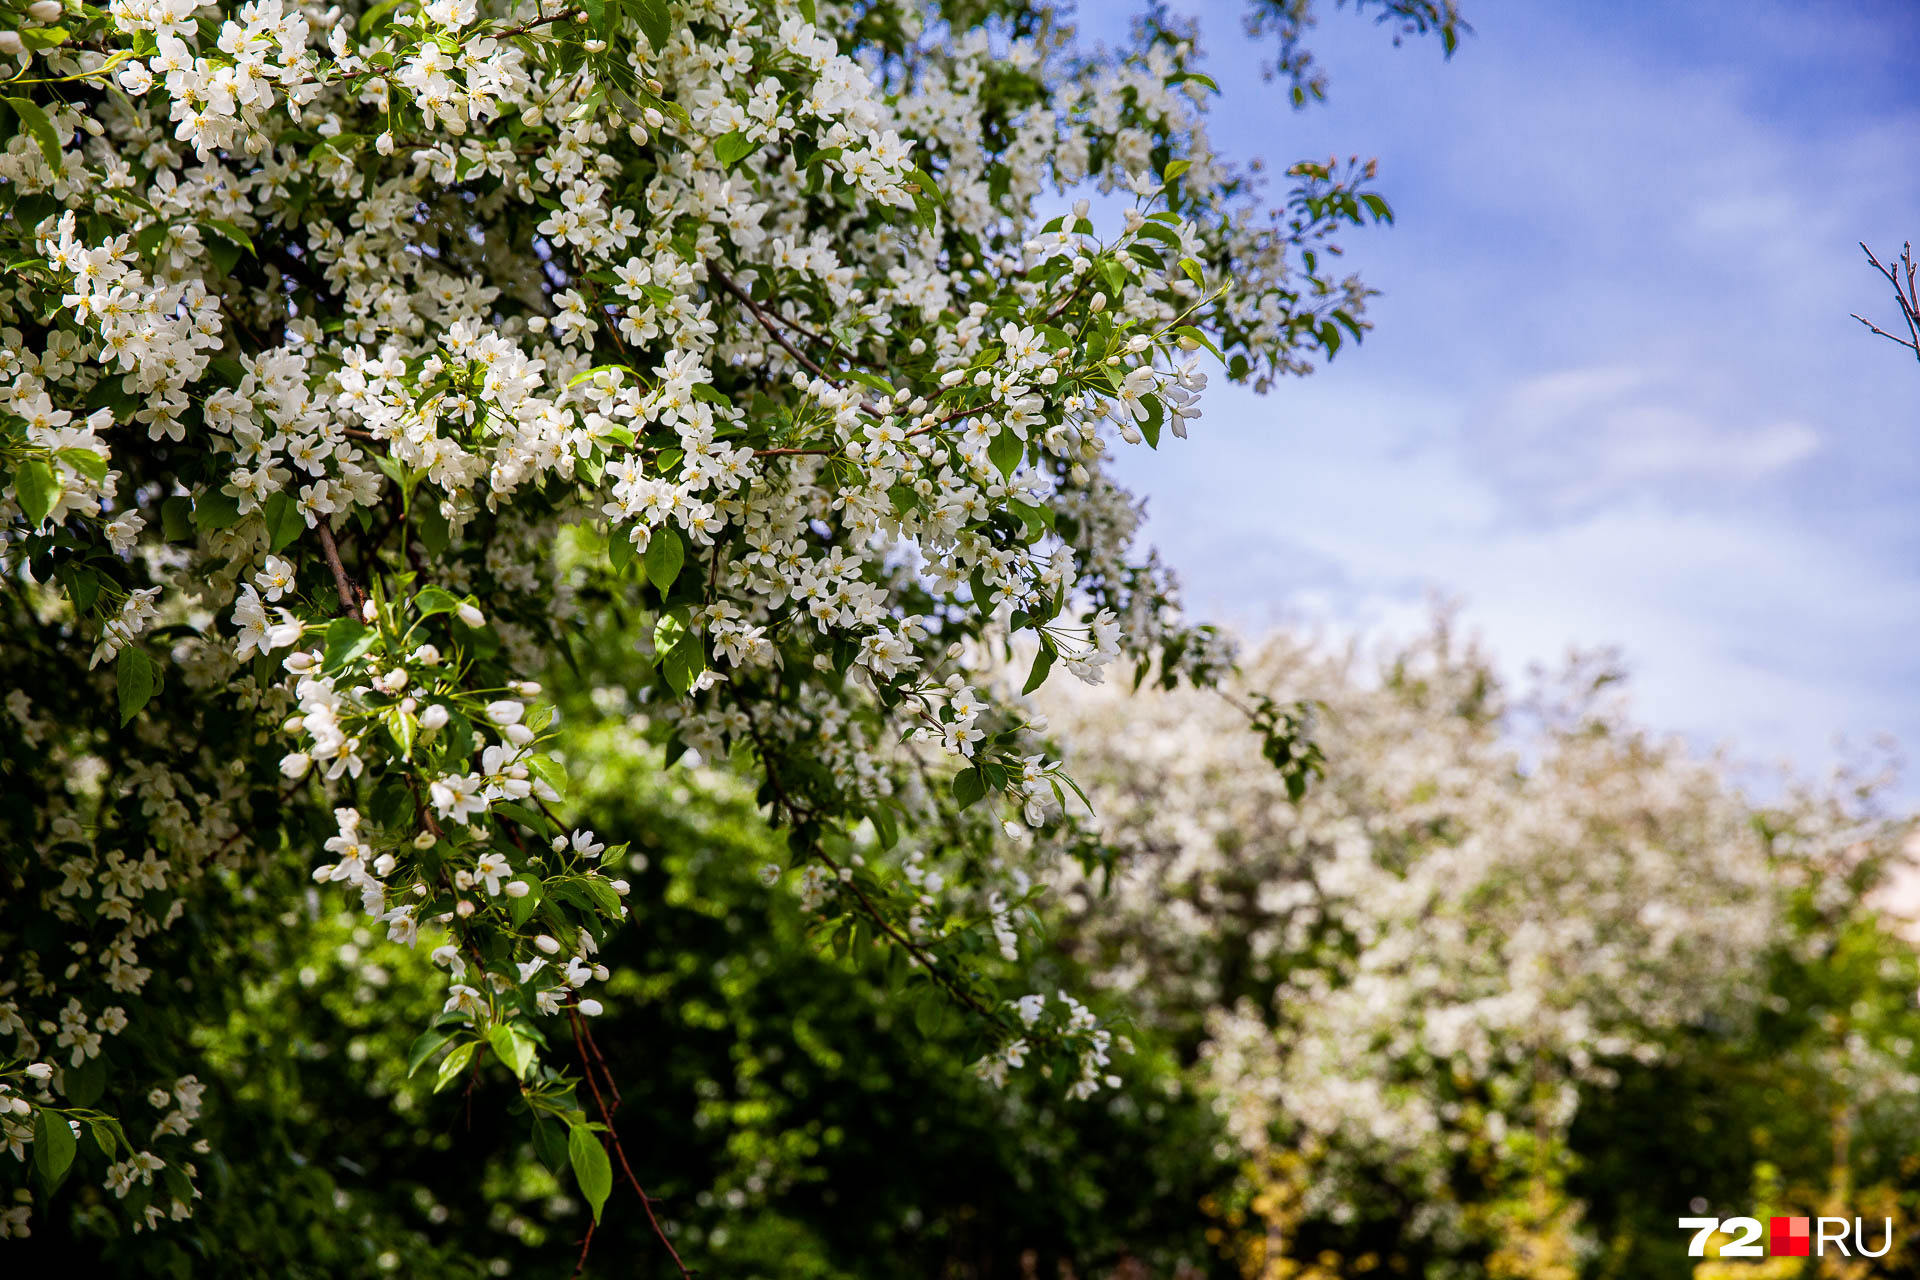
[(351, 596), (613, 1137)]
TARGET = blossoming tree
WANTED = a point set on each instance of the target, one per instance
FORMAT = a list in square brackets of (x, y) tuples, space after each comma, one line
[(325, 326), (1405, 985)]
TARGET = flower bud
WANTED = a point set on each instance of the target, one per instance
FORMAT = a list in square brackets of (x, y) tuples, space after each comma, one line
[(44, 10), (41, 1070), (434, 717), (10, 43), (471, 616), (547, 944), (592, 1008), (517, 888), (295, 764)]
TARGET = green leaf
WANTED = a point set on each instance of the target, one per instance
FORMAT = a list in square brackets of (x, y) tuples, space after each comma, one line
[(83, 586), (657, 25), (348, 639), (514, 1048), (453, 1064), (428, 1043), (930, 1014), (53, 1146), (885, 828), (1038, 519), (101, 1130), (284, 521), (667, 632), (1188, 331), (86, 462), (401, 726), (684, 663), (1005, 452), (550, 1143), (549, 771), (133, 674), (431, 527), (216, 510), (365, 23), (731, 148), (665, 556), (619, 549), (520, 910), (432, 600), (176, 519), (35, 121), (228, 232), (1175, 169), (1184, 76), (968, 787), (602, 894), (1156, 417), (35, 488), (591, 1167), (392, 803), (1042, 664)]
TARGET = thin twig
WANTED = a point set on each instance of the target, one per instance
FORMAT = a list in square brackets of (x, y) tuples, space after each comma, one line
[(1907, 296), (580, 1263), (782, 801), (351, 596), (775, 329), (613, 1137)]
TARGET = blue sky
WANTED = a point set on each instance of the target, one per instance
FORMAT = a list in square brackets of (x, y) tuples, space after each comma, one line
[(1614, 396)]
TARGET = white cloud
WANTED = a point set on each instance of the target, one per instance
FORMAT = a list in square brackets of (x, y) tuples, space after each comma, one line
[(1566, 440), (1614, 396)]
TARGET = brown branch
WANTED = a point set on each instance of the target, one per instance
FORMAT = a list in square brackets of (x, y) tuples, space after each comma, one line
[(613, 1138), (351, 596), (1907, 296), (775, 329), (606, 1072), (580, 1263), (794, 813)]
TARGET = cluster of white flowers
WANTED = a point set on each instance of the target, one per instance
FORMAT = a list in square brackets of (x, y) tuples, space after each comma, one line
[(322, 327), (1481, 909)]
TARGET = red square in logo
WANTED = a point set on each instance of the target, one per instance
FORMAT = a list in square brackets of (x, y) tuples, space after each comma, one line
[(1788, 1237)]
